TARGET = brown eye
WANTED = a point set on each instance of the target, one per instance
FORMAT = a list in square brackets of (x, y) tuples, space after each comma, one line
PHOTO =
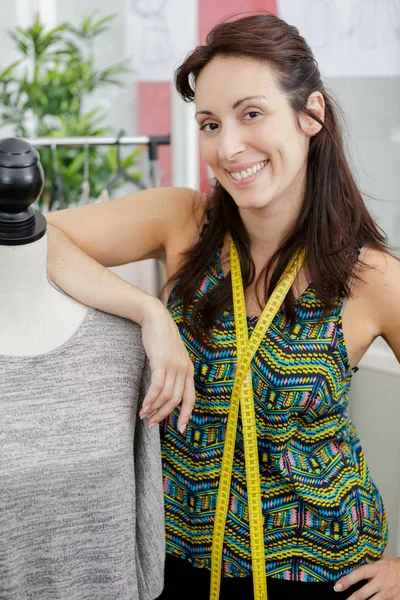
[(212, 126), (253, 114)]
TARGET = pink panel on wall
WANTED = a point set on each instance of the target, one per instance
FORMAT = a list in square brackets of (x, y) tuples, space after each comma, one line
[(154, 112), (210, 11)]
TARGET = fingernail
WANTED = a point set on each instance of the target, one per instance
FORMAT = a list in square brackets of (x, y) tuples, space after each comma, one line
[(152, 425), (338, 587), (145, 408), (182, 428)]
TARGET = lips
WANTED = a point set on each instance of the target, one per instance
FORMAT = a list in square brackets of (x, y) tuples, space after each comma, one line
[(249, 171)]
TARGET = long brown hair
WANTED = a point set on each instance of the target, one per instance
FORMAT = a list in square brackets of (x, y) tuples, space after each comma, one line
[(334, 221)]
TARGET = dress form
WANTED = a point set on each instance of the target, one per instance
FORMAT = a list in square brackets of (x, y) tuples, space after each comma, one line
[(81, 501), (35, 317)]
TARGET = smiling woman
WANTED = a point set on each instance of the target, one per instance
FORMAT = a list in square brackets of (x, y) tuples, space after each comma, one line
[(259, 129), (284, 214)]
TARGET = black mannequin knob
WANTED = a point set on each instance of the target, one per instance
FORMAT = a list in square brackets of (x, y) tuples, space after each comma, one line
[(21, 183)]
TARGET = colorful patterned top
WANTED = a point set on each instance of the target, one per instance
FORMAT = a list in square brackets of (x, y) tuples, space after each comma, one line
[(323, 515)]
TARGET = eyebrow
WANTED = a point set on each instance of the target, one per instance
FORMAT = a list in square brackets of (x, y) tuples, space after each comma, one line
[(235, 105)]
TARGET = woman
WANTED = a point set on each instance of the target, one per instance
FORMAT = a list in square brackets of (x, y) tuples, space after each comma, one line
[(270, 133)]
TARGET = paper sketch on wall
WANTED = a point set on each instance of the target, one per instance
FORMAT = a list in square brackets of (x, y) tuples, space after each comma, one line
[(156, 44), (375, 22), (349, 37), (324, 22), (158, 35)]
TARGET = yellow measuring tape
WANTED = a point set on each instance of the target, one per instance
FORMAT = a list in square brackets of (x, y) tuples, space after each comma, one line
[(242, 394)]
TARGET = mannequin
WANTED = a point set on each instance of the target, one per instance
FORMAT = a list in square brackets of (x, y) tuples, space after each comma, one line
[(52, 316), (81, 507)]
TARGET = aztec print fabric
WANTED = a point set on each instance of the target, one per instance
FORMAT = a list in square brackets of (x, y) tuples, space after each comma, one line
[(323, 515)]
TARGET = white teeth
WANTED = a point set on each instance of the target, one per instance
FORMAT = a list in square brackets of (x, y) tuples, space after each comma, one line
[(238, 175)]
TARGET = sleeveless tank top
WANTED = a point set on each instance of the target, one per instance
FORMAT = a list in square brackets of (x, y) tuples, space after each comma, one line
[(323, 515), (81, 501)]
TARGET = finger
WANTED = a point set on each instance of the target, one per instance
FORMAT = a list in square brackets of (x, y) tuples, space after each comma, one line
[(177, 393), (156, 386), (166, 393), (174, 399), (369, 590), (187, 404), (364, 572), (162, 412), (183, 392)]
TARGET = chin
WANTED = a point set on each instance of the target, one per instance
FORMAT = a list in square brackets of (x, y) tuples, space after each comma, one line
[(250, 201)]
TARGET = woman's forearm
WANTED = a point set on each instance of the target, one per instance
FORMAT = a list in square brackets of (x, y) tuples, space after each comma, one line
[(91, 283)]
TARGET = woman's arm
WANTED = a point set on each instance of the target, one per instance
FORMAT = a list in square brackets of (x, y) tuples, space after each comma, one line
[(88, 281), (84, 239), (139, 226), (384, 295)]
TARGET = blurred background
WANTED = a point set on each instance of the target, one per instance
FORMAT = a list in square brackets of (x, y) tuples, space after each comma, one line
[(99, 69)]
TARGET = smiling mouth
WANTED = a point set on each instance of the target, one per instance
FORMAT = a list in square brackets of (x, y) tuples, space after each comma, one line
[(245, 174)]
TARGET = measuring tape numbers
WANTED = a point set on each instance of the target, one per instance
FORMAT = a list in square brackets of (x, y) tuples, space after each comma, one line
[(242, 396)]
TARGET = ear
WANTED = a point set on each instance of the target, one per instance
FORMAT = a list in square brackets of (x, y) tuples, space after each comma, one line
[(316, 105)]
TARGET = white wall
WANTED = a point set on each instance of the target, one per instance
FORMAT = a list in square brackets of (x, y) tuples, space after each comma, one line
[(372, 106), (375, 408), (120, 103)]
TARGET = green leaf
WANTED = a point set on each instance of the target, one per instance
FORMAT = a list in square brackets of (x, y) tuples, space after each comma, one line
[(111, 157), (4, 74), (129, 160), (90, 28), (75, 166)]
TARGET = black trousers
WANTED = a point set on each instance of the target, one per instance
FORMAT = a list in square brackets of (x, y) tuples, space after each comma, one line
[(185, 582)]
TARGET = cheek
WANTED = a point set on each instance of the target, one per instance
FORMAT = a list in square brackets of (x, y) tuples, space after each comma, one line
[(299, 153), (208, 151), (293, 152)]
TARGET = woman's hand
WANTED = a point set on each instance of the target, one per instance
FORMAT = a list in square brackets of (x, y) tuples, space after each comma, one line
[(172, 370), (383, 584)]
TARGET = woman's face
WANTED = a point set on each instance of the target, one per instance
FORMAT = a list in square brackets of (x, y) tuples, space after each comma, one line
[(249, 134)]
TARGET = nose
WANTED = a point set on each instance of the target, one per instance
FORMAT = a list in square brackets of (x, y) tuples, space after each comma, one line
[(230, 143)]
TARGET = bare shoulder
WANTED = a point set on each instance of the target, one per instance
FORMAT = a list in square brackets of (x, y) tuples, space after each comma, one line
[(180, 212), (149, 224), (381, 273), (189, 211), (380, 286), (185, 210)]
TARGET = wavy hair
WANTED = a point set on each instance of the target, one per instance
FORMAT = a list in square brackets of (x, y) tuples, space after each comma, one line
[(334, 222)]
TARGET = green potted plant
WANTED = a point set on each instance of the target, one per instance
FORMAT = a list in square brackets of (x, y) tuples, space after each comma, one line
[(43, 93)]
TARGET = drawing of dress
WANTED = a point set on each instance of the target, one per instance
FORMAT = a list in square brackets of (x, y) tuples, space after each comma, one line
[(156, 47), (374, 22), (396, 16), (323, 22)]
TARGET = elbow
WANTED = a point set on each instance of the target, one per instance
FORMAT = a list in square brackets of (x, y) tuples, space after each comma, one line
[(53, 220)]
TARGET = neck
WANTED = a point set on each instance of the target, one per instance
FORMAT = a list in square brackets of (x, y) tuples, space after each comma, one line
[(23, 271), (35, 317), (268, 226)]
